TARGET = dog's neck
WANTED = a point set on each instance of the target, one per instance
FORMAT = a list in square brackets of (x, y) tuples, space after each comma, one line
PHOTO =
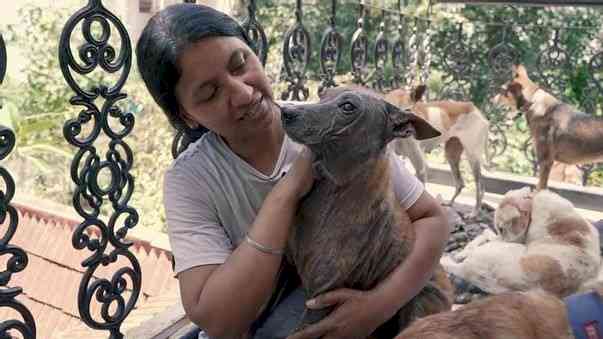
[(538, 103), (340, 170)]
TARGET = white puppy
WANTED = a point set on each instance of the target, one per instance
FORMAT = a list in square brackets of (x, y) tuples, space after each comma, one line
[(542, 243)]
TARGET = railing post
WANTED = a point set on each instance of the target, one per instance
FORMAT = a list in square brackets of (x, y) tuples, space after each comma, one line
[(256, 33), (400, 51), (118, 295), (380, 54), (297, 48), (359, 51), (330, 52), (8, 214)]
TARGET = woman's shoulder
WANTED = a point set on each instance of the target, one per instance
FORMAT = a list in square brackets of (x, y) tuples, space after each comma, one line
[(195, 157)]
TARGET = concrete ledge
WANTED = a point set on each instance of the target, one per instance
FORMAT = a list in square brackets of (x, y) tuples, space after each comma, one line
[(589, 198)]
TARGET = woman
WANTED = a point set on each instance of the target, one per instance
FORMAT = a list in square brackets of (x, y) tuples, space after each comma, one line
[(230, 198)]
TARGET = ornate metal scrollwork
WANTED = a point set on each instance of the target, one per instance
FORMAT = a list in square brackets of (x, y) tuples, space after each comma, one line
[(256, 33), (551, 64), (18, 257), (359, 51), (528, 150), (414, 45), (89, 168), (296, 55), (331, 45), (497, 143), (424, 54), (2, 60), (501, 59), (458, 60), (380, 54), (595, 68), (399, 52)]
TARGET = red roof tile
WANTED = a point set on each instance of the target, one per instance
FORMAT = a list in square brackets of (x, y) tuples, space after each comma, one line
[(51, 280)]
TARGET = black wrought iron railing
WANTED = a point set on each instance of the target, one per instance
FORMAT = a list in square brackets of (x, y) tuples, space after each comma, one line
[(18, 259), (104, 238), (472, 60)]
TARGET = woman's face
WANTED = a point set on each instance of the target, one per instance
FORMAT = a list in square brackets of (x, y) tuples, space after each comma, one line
[(224, 88)]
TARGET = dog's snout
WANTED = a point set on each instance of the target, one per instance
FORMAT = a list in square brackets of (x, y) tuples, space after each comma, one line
[(288, 115)]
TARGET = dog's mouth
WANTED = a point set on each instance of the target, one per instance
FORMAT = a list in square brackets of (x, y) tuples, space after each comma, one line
[(307, 136)]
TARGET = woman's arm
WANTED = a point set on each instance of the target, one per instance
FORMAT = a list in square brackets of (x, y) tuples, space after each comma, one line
[(432, 233), (225, 299)]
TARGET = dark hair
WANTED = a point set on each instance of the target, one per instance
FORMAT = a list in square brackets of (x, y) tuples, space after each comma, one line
[(164, 38)]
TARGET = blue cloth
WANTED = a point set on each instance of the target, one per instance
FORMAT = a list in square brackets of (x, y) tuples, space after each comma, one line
[(585, 315)]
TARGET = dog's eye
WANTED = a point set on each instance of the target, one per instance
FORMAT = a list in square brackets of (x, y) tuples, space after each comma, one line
[(347, 107)]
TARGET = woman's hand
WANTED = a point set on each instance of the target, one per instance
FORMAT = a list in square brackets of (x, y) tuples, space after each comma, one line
[(300, 177), (352, 318)]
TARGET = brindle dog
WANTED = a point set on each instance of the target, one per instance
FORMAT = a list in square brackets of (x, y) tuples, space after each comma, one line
[(351, 232)]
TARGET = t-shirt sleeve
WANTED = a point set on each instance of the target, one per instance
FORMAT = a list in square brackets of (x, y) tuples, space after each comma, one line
[(195, 233), (407, 187)]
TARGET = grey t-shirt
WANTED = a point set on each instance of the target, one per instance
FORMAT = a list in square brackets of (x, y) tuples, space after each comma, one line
[(212, 196)]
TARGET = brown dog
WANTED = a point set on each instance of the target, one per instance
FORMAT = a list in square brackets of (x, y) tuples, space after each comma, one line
[(559, 132), (531, 315), (463, 127), (351, 231)]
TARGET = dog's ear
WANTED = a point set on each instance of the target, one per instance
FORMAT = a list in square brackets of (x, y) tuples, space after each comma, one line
[(519, 71), (404, 123), (417, 93), (515, 89)]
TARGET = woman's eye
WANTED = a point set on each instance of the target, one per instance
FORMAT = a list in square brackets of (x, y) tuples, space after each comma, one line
[(347, 107), (239, 63), (207, 93)]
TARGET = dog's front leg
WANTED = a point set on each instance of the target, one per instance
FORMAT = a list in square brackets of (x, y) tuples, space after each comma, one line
[(545, 160)]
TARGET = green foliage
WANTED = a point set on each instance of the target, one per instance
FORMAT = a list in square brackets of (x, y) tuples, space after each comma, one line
[(36, 35)]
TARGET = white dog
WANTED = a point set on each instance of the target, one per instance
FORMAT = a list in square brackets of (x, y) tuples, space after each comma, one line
[(542, 243)]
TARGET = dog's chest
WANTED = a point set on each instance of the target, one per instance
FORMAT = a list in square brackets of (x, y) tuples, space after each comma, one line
[(347, 237)]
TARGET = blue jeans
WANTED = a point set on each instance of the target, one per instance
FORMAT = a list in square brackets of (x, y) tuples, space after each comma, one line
[(278, 325)]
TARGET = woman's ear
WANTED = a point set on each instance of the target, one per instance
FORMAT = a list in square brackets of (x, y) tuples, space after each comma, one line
[(188, 120)]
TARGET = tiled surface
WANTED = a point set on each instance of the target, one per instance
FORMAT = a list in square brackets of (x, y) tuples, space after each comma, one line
[(51, 280)]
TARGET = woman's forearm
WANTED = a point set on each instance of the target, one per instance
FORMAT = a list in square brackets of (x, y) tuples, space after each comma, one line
[(236, 291)]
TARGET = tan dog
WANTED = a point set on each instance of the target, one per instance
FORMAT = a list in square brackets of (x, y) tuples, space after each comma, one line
[(542, 243), (531, 315), (463, 128), (559, 132)]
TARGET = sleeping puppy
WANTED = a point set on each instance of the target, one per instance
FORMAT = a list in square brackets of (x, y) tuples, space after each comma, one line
[(542, 242)]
